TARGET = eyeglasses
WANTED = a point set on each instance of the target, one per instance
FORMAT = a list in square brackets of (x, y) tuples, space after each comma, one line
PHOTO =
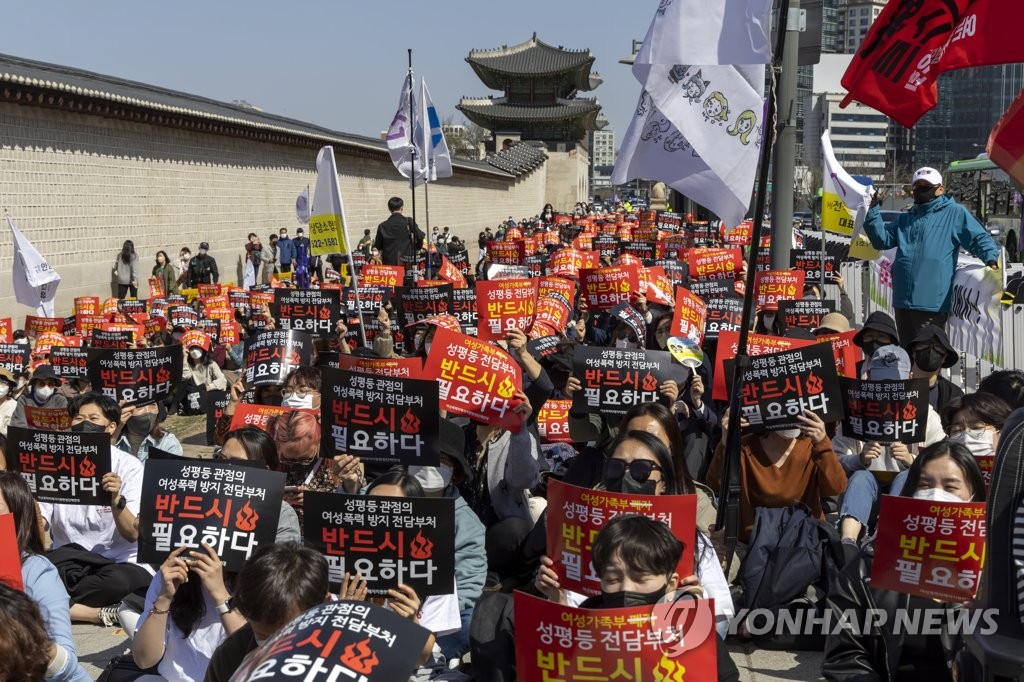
[(639, 469)]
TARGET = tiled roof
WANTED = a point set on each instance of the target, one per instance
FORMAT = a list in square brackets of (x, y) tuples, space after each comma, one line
[(532, 57), (520, 158), (499, 110)]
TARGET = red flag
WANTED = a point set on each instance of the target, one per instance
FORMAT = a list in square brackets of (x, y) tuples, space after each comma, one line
[(1006, 142), (914, 41)]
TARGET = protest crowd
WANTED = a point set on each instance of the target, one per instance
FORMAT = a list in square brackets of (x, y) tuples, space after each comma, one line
[(448, 470)]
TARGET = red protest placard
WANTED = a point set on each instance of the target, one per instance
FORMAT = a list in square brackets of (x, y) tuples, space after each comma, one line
[(565, 263), (605, 288), (929, 549), (690, 315), (10, 557), (714, 263), (773, 286), (556, 642), (450, 273), (46, 341), (560, 285), (87, 324), (847, 354), (506, 252), (552, 313), (757, 344), (476, 379), (381, 275), (408, 368), (34, 325), (553, 421), (87, 305), (247, 414), (504, 305), (740, 235), (47, 418), (659, 286), (6, 330), (576, 515), (208, 290)]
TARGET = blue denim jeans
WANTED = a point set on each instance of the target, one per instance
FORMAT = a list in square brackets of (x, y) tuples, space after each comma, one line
[(862, 495), (456, 644)]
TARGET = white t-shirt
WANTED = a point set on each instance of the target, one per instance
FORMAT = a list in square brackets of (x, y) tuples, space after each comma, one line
[(92, 526)]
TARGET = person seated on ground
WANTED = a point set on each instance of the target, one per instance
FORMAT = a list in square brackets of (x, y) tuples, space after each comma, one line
[(875, 468), (636, 559), (975, 421), (40, 579), (41, 393), (1007, 384), (943, 472), (8, 402), (95, 547), (778, 468), (878, 330), (200, 369), (27, 650), (470, 556), (275, 585), (931, 352), (142, 427)]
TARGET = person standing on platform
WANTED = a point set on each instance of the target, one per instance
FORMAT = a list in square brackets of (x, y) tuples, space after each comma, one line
[(285, 252), (397, 236)]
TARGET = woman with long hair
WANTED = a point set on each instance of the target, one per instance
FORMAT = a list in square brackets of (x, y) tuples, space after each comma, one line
[(165, 273), (126, 270)]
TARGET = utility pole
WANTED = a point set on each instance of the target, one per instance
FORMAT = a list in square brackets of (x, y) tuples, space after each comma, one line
[(784, 160)]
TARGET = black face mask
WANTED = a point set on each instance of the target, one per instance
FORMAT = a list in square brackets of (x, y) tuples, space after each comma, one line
[(922, 195), (88, 427), (929, 359), (625, 598), (869, 348), (140, 425), (628, 485)]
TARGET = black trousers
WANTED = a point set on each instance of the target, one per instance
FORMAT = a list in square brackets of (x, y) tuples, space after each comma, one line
[(124, 289), (93, 580), (909, 322)]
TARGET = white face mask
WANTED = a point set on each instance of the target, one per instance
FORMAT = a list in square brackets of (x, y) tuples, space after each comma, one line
[(4, 390), (195, 353), (936, 495), (978, 441), (43, 393), (291, 399), (432, 479), (791, 434), (626, 343)]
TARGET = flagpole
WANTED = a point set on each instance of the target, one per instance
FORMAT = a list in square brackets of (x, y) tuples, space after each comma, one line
[(729, 496), (351, 268), (412, 171)]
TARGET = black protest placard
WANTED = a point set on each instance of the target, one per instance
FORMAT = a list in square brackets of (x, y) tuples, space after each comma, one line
[(135, 376), (232, 508), (615, 379), (389, 541), (780, 386), (314, 311), (106, 338), (709, 289), (70, 326), (131, 306), (543, 347), (676, 272), (211, 328), (464, 309), (460, 260), (239, 300), (181, 316), (270, 356), (14, 357), (724, 315), (216, 401), (885, 411), (61, 467), (371, 299), (345, 640), (804, 313), (811, 263), (386, 420), (642, 250), (606, 245), (536, 263), (415, 304), (70, 362)]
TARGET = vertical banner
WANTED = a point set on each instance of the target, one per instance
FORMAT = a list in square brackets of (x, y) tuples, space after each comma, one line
[(382, 420), (614, 379), (389, 541), (136, 377), (477, 380), (975, 319), (885, 411), (314, 311), (232, 508), (61, 468), (690, 317), (270, 356), (929, 549), (327, 216), (505, 305)]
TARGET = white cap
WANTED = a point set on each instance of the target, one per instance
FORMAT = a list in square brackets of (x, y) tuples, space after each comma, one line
[(929, 175)]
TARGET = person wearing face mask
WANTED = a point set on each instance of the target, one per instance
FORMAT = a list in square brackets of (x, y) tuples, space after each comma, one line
[(285, 252), (200, 369), (94, 546), (878, 330), (7, 400), (181, 265), (931, 352), (202, 268), (927, 239), (141, 427), (975, 421), (768, 322), (943, 473), (41, 392)]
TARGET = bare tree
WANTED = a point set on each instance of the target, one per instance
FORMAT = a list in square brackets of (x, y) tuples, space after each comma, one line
[(464, 138)]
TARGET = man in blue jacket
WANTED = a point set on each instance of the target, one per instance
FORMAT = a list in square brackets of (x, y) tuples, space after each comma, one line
[(927, 239), (285, 251)]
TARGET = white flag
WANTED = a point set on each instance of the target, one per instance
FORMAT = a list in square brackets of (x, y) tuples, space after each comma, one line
[(302, 206), (718, 32), (844, 203), (403, 138), (439, 160), (35, 282), (654, 148), (327, 219)]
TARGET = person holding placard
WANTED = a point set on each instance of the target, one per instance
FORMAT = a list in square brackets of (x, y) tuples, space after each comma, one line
[(41, 393), (142, 427), (943, 472)]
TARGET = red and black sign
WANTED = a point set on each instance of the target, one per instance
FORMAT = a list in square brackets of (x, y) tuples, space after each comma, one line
[(270, 356), (885, 411), (132, 306), (616, 379), (811, 263), (605, 288), (464, 310), (606, 245), (69, 362), (387, 420), (643, 250), (102, 338), (712, 288), (314, 311), (805, 313), (239, 300), (724, 314), (232, 508), (631, 317), (61, 467), (780, 386), (389, 541), (371, 299), (182, 316), (137, 377), (14, 357), (47, 418), (505, 305), (415, 304)]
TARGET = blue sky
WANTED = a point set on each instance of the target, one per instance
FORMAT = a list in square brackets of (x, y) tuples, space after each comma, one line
[(339, 64)]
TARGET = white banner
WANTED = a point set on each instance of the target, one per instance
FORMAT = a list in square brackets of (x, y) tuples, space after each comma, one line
[(35, 282), (975, 319), (402, 136), (439, 160), (701, 32)]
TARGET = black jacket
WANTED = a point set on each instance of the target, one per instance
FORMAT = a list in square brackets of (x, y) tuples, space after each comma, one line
[(202, 269), (395, 239)]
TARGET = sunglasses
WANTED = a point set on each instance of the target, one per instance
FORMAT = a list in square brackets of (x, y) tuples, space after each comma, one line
[(639, 469)]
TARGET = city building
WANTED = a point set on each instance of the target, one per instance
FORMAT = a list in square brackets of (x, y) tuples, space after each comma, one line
[(602, 158), (855, 18), (858, 133), (831, 43)]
